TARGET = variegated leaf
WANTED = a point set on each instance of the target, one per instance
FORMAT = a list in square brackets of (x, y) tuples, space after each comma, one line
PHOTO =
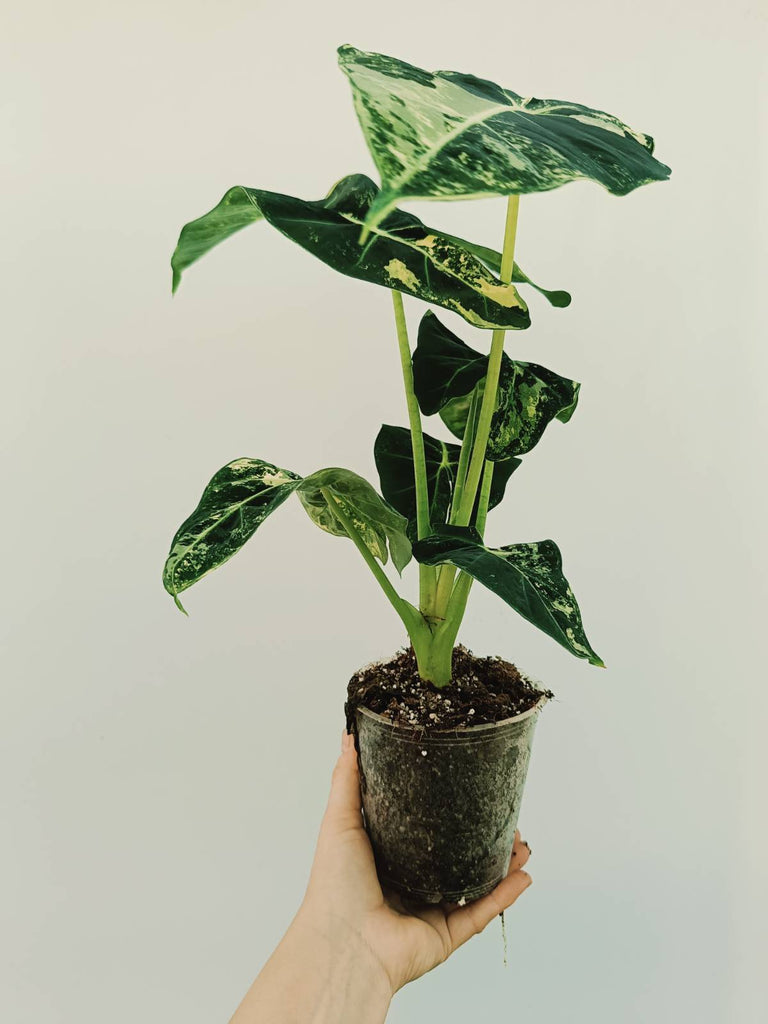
[(393, 453), (445, 371), (447, 135), (239, 207), (234, 505), (528, 577), (402, 253), (378, 524), (492, 258)]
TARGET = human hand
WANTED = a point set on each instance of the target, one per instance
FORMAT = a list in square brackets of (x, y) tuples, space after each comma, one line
[(351, 946), (344, 895)]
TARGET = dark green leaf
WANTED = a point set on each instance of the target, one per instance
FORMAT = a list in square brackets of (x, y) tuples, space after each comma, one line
[(445, 371), (401, 254), (444, 367), (492, 259), (393, 453), (234, 504), (394, 461), (528, 577), (377, 523), (443, 134)]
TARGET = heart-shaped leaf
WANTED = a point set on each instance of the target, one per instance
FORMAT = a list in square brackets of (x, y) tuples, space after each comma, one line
[(402, 253), (234, 505), (446, 370), (378, 524), (443, 134), (393, 453), (528, 577)]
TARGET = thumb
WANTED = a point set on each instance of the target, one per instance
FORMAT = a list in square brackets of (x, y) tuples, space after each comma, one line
[(344, 801)]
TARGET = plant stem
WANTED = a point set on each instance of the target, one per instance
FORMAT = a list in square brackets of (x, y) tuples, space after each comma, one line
[(466, 450), (446, 572), (431, 664), (427, 574), (488, 406), (452, 600), (485, 495), (395, 600), (476, 439)]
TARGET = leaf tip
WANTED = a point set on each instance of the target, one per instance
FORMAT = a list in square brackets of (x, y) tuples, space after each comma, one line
[(179, 605)]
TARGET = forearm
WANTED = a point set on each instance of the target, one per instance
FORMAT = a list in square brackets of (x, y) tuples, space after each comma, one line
[(317, 975)]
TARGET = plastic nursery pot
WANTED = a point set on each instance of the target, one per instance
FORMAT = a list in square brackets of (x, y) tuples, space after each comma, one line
[(441, 808)]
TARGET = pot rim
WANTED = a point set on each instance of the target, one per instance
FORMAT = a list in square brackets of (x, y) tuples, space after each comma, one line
[(457, 731)]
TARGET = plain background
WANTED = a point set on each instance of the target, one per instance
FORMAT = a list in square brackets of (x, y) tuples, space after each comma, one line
[(163, 778)]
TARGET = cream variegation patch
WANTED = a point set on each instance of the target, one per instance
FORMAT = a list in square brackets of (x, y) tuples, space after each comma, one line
[(398, 271)]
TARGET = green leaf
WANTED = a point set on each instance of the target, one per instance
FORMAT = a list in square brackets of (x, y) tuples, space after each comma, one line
[(237, 210), (444, 367), (492, 259), (445, 371), (401, 254), (443, 135), (378, 523), (234, 505), (528, 577), (393, 453)]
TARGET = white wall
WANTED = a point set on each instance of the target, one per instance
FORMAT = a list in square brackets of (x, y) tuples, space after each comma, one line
[(162, 777)]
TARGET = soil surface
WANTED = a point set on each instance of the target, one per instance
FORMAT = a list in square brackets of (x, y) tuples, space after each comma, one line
[(482, 690)]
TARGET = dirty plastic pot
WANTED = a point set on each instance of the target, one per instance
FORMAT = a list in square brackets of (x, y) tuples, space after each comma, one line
[(441, 807)]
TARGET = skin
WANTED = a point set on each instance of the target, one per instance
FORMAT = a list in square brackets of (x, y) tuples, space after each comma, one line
[(351, 946)]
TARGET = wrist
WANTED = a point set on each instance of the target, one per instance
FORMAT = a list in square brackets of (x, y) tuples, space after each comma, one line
[(319, 974), (358, 987)]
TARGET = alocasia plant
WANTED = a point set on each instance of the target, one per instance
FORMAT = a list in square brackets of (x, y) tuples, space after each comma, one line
[(440, 135)]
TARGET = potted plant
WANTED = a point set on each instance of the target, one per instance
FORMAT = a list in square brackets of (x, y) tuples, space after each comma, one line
[(443, 737)]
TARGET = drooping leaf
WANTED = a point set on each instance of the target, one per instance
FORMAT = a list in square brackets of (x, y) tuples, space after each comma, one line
[(446, 370), (492, 258), (556, 297), (234, 504), (445, 135), (528, 577), (393, 453), (401, 254), (379, 525), (237, 209), (243, 493)]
